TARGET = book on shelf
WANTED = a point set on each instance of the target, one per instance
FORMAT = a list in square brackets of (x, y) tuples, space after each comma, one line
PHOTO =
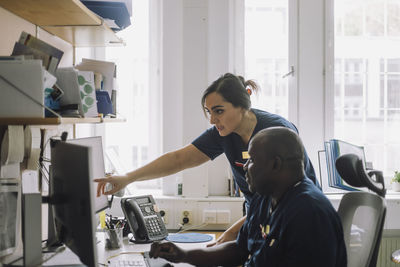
[(23, 50), (30, 45), (331, 181)]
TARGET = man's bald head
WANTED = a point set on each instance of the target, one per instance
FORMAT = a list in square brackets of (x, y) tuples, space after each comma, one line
[(276, 161), (280, 141)]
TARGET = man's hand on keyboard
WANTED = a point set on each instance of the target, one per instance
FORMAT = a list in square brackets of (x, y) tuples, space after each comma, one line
[(168, 251)]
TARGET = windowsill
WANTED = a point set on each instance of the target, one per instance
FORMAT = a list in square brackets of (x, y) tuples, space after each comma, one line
[(390, 195)]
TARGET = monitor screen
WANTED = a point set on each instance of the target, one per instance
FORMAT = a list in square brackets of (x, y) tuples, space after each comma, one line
[(72, 198), (97, 166)]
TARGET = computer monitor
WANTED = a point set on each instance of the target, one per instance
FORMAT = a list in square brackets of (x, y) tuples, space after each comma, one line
[(72, 198), (97, 165)]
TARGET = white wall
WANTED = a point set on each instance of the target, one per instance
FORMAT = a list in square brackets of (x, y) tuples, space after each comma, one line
[(310, 76), (195, 41)]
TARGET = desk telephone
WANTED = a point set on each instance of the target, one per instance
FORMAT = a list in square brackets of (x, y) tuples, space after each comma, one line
[(144, 219)]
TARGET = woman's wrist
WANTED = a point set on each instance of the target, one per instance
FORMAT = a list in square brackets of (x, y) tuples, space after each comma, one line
[(129, 178)]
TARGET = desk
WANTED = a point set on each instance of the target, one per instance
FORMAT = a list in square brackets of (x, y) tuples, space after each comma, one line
[(68, 258), (103, 254)]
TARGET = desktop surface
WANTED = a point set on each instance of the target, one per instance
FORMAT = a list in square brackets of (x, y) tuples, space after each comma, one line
[(131, 251)]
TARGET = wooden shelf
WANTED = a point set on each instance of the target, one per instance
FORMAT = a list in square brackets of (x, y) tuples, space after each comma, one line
[(70, 20), (55, 121)]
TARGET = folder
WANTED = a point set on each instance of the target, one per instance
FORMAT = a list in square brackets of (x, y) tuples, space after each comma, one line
[(334, 148), (27, 75)]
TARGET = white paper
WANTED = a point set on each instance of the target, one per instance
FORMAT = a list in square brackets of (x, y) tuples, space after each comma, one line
[(30, 182), (48, 79)]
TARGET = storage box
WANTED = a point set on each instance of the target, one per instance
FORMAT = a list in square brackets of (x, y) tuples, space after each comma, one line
[(26, 75)]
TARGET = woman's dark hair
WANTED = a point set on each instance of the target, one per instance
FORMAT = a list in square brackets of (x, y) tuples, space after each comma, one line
[(233, 88)]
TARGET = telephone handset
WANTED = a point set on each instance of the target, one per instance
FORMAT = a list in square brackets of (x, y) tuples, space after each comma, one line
[(144, 219)]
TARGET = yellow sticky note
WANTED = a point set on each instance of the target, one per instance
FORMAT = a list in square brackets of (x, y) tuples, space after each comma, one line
[(245, 155), (102, 218)]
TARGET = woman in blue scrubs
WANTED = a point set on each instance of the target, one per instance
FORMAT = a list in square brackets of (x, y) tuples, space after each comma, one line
[(227, 104)]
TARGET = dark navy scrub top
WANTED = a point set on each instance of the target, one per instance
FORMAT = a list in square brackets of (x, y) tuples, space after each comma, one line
[(213, 145), (303, 230)]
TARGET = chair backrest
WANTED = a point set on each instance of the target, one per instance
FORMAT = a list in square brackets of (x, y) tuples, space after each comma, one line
[(363, 217), (362, 213)]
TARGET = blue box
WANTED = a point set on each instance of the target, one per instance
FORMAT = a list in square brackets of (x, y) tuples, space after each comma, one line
[(104, 104)]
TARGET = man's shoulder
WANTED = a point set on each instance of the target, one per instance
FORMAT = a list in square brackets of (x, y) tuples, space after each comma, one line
[(309, 192), (308, 199)]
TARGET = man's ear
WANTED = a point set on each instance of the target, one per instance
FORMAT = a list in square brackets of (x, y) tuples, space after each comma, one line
[(277, 163)]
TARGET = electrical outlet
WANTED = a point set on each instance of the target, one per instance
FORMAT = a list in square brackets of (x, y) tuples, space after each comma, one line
[(164, 215), (210, 216), (186, 217), (223, 216)]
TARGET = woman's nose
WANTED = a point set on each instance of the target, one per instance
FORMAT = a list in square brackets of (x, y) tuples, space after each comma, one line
[(212, 119)]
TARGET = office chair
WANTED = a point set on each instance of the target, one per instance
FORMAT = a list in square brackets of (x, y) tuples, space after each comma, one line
[(362, 213)]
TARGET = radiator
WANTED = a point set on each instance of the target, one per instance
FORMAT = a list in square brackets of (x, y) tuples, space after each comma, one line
[(388, 245)]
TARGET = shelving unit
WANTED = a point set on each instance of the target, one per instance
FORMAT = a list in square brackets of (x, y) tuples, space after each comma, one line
[(71, 21), (68, 19), (74, 23), (55, 121)]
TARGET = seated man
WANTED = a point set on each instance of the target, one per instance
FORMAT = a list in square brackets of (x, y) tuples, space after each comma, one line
[(290, 222)]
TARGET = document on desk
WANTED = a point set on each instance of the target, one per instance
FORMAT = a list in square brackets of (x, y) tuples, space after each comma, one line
[(64, 258)]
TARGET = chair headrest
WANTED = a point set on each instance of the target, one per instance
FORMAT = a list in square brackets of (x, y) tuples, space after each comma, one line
[(351, 169)]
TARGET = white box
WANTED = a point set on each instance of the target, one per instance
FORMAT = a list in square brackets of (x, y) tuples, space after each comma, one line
[(74, 82), (27, 75)]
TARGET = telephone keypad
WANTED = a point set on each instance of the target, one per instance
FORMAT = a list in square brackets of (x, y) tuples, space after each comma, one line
[(153, 224)]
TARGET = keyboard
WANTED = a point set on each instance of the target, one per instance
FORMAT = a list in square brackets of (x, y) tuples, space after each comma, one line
[(133, 260), (128, 263), (137, 260)]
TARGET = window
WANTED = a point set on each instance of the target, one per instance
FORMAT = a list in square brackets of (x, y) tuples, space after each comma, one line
[(130, 141), (266, 53), (367, 78)]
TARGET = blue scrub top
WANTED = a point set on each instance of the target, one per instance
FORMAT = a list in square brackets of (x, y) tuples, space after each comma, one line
[(304, 230), (213, 145)]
